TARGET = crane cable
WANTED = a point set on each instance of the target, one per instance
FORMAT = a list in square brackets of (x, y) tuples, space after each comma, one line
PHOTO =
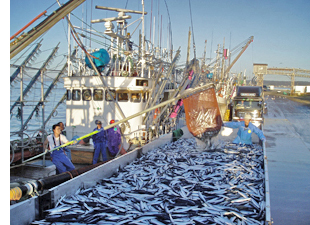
[(81, 46), (77, 38)]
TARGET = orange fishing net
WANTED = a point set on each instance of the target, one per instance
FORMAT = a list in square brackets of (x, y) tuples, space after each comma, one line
[(203, 118)]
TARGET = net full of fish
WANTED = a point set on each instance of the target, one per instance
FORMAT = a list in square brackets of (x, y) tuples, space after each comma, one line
[(174, 184)]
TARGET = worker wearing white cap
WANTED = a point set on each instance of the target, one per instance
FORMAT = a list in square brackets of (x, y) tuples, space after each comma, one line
[(246, 128)]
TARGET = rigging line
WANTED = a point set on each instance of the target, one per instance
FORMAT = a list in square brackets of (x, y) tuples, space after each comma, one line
[(242, 43), (86, 20), (59, 63), (101, 43), (194, 46), (211, 46), (91, 18), (95, 40), (44, 60), (34, 68), (22, 56), (170, 30), (82, 47), (133, 22), (38, 80), (99, 34), (51, 6), (136, 27), (252, 56), (63, 25), (90, 26)]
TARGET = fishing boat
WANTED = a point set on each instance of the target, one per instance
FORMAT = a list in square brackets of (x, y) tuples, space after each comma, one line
[(138, 86)]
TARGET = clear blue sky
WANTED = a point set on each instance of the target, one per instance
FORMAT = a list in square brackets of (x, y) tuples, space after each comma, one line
[(281, 28)]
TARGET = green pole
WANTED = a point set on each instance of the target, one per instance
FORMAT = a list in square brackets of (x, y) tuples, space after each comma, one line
[(64, 145)]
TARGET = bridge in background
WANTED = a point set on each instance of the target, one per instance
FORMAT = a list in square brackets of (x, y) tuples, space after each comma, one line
[(262, 69)]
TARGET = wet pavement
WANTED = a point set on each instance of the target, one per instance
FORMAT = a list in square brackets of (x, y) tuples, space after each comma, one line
[(287, 129)]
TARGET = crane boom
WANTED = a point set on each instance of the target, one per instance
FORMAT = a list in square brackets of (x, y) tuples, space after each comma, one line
[(24, 40), (240, 53)]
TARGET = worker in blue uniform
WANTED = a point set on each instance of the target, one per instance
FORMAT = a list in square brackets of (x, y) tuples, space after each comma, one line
[(114, 140), (63, 132), (58, 157), (99, 141), (246, 128)]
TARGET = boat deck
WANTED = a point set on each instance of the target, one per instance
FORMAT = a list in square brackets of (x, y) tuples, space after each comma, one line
[(288, 150)]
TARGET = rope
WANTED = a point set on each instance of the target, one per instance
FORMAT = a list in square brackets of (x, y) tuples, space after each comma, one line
[(82, 47), (69, 174)]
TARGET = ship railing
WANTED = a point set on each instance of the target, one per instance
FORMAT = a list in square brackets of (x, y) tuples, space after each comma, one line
[(140, 135), (31, 140), (170, 86), (268, 219)]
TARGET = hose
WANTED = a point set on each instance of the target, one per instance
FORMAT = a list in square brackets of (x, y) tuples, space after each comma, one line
[(48, 182), (15, 194)]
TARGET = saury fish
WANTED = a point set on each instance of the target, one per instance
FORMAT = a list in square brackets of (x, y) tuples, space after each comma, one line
[(174, 184)]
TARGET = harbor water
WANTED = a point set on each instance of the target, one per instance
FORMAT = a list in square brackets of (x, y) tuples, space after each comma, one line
[(31, 100)]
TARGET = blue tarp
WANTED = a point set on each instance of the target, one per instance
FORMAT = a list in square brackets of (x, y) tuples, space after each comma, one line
[(101, 60)]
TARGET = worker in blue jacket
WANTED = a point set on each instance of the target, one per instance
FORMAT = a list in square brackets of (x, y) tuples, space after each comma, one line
[(114, 139), (99, 141), (246, 128)]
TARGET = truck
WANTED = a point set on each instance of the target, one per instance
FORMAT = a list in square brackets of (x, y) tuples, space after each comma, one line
[(249, 100)]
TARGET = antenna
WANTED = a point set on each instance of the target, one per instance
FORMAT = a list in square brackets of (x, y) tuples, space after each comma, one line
[(120, 10)]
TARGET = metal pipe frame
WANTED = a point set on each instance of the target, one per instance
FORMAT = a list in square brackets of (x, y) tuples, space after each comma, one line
[(24, 63), (33, 80)]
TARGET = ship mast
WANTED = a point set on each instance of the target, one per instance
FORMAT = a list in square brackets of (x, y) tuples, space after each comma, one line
[(143, 41)]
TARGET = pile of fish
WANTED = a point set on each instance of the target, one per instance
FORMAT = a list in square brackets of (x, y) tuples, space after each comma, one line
[(174, 184)]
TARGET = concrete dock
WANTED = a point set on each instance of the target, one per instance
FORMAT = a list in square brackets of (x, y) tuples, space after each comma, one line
[(287, 129)]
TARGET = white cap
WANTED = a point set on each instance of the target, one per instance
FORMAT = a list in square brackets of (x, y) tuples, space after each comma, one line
[(248, 117)]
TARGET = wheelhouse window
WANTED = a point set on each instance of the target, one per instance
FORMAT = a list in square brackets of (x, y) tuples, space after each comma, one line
[(144, 83), (86, 93), (69, 96), (76, 95), (122, 97), (135, 97), (241, 104), (98, 94), (107, 96)]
